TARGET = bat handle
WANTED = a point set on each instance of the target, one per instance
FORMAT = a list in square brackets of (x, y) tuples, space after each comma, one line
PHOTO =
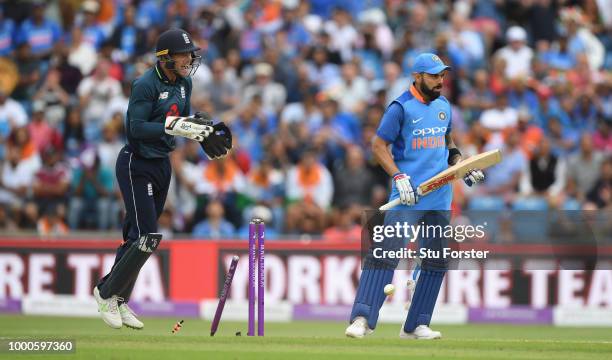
[(390, 205)]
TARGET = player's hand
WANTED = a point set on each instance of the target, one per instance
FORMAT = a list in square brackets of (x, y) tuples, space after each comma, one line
[(191, 127), (218, 144), (473, 176), (406, 191)]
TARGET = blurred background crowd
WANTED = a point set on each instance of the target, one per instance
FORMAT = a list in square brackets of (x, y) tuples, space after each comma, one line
[(303, 85)]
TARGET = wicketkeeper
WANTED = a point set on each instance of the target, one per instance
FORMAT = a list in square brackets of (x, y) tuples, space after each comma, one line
[(159, 109)]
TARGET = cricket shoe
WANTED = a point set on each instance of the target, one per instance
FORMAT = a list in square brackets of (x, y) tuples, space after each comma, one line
[(422, 332), (109, 309), (129, 318), (358, 328)]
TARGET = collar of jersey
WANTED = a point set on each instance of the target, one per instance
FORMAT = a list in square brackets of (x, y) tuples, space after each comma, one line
[(162, 76), (417, 95)]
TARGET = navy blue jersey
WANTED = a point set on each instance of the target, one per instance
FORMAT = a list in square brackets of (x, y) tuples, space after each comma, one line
[(153, 98)]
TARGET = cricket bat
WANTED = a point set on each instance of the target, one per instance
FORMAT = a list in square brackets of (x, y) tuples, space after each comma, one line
[(457, 171)]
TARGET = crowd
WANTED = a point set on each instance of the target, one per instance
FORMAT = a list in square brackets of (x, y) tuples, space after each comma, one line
[(303, 85)]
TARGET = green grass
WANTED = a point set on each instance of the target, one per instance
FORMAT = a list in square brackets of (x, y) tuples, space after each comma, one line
[(305, 340)]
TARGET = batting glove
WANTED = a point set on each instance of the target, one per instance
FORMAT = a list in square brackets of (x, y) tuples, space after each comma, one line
[(406, 191), (473, 176), (191, 127)]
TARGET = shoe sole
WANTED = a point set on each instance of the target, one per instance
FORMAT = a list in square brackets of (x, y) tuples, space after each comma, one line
[(368, 332), (414, 337), (133, 327)]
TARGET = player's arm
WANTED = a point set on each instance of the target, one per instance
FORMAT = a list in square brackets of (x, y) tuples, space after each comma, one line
[(454, 155), (473, 176), (140, 107), (389, 129)]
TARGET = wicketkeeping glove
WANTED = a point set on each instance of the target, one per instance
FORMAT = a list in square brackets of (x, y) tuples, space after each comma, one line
[(191, 127), (218, 144), (473, 176), (407, 193)]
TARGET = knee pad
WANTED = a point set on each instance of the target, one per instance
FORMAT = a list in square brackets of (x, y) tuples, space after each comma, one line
[(149, 242)]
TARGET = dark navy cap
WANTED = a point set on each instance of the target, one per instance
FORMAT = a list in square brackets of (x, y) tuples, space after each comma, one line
[(429, 63)]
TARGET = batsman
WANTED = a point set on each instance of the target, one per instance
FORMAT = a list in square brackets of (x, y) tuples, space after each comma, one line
[(159, 109), (418, 126)]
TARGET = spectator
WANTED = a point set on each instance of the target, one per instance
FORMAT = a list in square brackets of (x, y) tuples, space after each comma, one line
[(322, 73), (343, 35), (265, 186), (93, 33), (222, 180), (500, 117), (352, 180), (344, 228), (12, 116), (51, 183), (602, 138), (545, 174), (7, 222), (479, 97), (82, 55), (54, 98), (29, 73), (7, 33), (517, 54), (354, 89), (503, 178), (41, 133), (601, 193), (92, 194), (95, 94), (465, 41), (223, 90), (272, 94), (310, 188), (109, 146), (583, 169), (40, 33), (215, 226), (16, 179), (127, 38), (51, 223), (74, 132)]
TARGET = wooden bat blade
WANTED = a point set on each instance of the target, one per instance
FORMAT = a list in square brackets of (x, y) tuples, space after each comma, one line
[(457, 171)]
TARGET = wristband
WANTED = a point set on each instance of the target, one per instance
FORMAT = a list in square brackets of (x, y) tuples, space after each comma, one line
[(451, 154)]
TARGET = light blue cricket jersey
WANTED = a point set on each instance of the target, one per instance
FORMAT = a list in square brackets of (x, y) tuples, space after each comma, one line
[(416, 131)]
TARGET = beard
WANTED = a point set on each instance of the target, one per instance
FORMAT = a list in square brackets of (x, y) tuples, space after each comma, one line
[(431, 93)]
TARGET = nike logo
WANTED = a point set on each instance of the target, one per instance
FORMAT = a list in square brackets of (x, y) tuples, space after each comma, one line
[(414, 121)]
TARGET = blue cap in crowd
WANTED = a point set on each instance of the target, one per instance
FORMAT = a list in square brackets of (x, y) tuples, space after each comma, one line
[(429, 63)]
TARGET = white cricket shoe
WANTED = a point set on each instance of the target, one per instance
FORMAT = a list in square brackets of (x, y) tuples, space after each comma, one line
[(422, 332), (109, 309), (358, 328), (129, 318)]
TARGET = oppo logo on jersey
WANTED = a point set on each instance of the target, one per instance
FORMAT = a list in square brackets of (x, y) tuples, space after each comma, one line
[(429, 142), (429, 131)]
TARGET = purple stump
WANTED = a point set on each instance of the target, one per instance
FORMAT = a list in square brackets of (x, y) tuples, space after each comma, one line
[(260, 279), (226, 288), (251, 289)]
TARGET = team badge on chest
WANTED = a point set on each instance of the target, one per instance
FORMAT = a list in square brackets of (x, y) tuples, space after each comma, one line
[(442, 115)]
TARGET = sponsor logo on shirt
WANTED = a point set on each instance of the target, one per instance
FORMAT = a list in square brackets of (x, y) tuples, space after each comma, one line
[(429, 138), (183, 89), (163, 95)]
